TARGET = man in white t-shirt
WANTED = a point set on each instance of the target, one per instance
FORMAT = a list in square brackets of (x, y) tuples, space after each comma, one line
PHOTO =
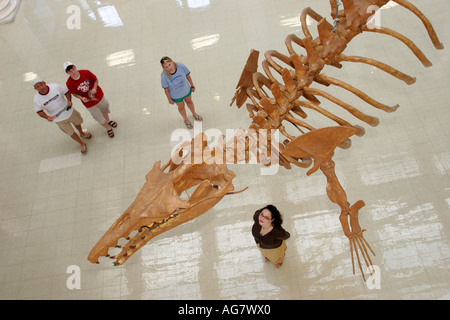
[(54, 103)]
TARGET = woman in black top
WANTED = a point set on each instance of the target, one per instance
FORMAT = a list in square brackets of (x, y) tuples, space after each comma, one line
[(270, 235)]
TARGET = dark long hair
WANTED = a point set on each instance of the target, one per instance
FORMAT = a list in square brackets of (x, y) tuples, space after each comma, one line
[(276, 215)]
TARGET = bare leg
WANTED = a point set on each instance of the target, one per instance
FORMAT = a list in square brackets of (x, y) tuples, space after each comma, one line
[(75, 137), (279, 262), (106, 125), (108, 122), (106, 116), (182, 111), (191, 107)]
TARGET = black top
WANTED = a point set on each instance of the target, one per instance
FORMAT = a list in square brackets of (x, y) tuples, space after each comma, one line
[(273, 239)]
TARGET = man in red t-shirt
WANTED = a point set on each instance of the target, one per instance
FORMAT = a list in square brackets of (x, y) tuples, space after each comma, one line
[(83, 84)]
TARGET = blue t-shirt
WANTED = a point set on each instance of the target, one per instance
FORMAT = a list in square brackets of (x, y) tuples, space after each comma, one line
[(178, 86)]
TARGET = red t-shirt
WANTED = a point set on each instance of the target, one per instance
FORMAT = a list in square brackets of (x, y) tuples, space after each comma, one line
[(83, 85)]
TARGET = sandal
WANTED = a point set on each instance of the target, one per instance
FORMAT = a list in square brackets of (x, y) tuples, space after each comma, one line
[(111, 133), (85, 149), (188, 125), (112, 124), (198, 118)]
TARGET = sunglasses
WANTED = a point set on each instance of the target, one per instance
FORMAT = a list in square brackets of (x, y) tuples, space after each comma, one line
[(164, 59)]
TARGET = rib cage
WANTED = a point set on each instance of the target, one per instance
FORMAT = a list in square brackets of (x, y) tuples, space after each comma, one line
[(292, 97)]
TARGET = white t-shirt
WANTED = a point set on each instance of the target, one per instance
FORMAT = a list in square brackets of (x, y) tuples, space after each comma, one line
[(53, 102)]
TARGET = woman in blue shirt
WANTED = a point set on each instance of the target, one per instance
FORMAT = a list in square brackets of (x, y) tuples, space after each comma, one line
[(178, 86)]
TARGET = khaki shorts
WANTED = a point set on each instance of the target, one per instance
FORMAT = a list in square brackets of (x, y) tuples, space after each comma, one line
[(66, 125), (96, 111)]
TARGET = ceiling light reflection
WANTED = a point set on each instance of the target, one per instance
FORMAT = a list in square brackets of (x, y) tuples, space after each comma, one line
[(124, 58), (110, 16), (293, 22), (206, 41), (196, 4), (29, 76)]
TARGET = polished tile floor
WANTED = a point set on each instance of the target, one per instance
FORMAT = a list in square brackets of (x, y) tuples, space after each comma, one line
[(55, 204)]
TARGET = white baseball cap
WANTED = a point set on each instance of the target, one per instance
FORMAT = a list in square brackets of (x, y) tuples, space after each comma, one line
[(37, 80), (67, 64)]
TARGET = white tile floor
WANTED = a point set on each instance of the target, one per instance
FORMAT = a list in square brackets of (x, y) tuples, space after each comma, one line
[(50, 219)]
